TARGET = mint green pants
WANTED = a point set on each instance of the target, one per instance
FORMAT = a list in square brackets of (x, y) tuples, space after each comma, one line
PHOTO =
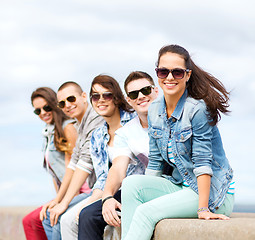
[(149, 199)]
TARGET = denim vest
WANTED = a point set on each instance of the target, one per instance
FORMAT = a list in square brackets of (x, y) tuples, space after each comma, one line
[(196, 146), (56, 159)]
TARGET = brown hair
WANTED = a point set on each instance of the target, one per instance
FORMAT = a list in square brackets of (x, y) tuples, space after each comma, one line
[(59, 117), (202, 85), (137, 75), (114, 87)]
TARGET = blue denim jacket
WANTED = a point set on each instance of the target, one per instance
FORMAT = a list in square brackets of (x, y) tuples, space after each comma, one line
[(99, 152), (56, 159), (196, 145)]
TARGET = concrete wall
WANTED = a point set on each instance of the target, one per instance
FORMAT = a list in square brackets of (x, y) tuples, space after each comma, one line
[(240, 226)]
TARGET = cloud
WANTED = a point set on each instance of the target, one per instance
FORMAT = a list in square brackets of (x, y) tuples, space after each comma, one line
[(44, 43)]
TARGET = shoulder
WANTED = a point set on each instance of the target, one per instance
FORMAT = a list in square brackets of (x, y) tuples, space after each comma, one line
[(92, 119), (126, 116), (195, 105), (99, 131), (129, 128), (68, 122), (156, 104)]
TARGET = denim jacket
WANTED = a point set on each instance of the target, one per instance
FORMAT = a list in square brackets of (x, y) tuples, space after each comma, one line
[(196, 146), (99, 152), (56, 159)]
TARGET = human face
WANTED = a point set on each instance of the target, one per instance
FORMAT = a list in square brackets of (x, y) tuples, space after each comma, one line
[(142, 102), (47, 117), (104, 107), (171, 86), (75, 109)]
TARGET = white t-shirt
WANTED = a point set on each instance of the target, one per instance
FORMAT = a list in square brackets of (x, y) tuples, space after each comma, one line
[(132, 140)]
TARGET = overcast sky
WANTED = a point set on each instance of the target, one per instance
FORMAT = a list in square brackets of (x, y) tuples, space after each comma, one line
[(45, 43)]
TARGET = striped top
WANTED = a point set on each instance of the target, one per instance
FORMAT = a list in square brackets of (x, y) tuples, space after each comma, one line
[(231, 189)]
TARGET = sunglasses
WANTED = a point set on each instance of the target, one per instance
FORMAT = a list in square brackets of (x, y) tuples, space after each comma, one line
[(107, 96), (70, 99), (46, 108), (145, 91), (177, 73)]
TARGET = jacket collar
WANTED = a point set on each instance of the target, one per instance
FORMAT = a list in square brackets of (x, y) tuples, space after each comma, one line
[(178, 109), (124, 117)]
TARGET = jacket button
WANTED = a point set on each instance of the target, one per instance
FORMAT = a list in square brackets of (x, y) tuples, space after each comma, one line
[(186, 173), (173, 120), (217, 208), (182, 137), (155, 133)]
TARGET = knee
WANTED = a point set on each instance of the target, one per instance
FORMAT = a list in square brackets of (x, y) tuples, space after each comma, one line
[(26, 220), (142, 212), (85, 217), (31, 219), (66, 220), (130, 186)]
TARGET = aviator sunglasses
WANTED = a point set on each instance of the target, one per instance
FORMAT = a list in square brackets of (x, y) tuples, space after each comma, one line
[(145, 91), (70, 99), (107, 96), (177, 73), (46, 108)]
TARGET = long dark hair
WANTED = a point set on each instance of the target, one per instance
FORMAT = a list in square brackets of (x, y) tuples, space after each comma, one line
[(202, 85), (114, 87), (59, 117)]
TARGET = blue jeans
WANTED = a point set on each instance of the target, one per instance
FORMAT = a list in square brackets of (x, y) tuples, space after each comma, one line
[(53, 233)]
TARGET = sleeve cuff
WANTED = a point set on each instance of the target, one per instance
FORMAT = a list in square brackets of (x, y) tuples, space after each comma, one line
[(85, 166), (203, 170)]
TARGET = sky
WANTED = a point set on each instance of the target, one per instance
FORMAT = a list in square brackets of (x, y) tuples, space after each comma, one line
[(45, 43)]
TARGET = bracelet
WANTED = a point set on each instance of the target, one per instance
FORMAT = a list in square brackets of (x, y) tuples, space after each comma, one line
[(103, 201), (203, 209)]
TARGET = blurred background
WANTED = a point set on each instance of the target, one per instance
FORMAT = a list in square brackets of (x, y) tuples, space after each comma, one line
[(45, 43)]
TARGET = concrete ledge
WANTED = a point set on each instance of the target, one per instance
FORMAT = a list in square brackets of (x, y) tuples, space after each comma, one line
[(240, 226), (11, 222)]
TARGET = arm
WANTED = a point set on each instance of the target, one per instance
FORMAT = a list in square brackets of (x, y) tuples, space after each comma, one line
[(71, 137), (55, 185), (203, 183), (78, 178), (61, 193), (96, 195), (202, 157), (115, 177), (155, 165), (81, 162)]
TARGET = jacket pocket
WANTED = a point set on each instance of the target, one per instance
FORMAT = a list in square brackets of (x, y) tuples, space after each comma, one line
[(155, 133), (183, 139)]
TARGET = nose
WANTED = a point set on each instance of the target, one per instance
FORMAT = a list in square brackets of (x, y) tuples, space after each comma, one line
[(170, 76), (140, 95), (67, 104), (42, 111)]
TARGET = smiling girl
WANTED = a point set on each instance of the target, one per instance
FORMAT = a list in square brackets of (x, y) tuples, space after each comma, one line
[(190, 175)]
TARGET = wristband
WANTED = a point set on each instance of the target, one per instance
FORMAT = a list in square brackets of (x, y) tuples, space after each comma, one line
[(203, 209), (103, 201)]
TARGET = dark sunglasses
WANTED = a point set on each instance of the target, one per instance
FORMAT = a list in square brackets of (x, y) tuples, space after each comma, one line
[(177, 73), (70, 99), (107, 96), (145, 91), (46, 108)]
